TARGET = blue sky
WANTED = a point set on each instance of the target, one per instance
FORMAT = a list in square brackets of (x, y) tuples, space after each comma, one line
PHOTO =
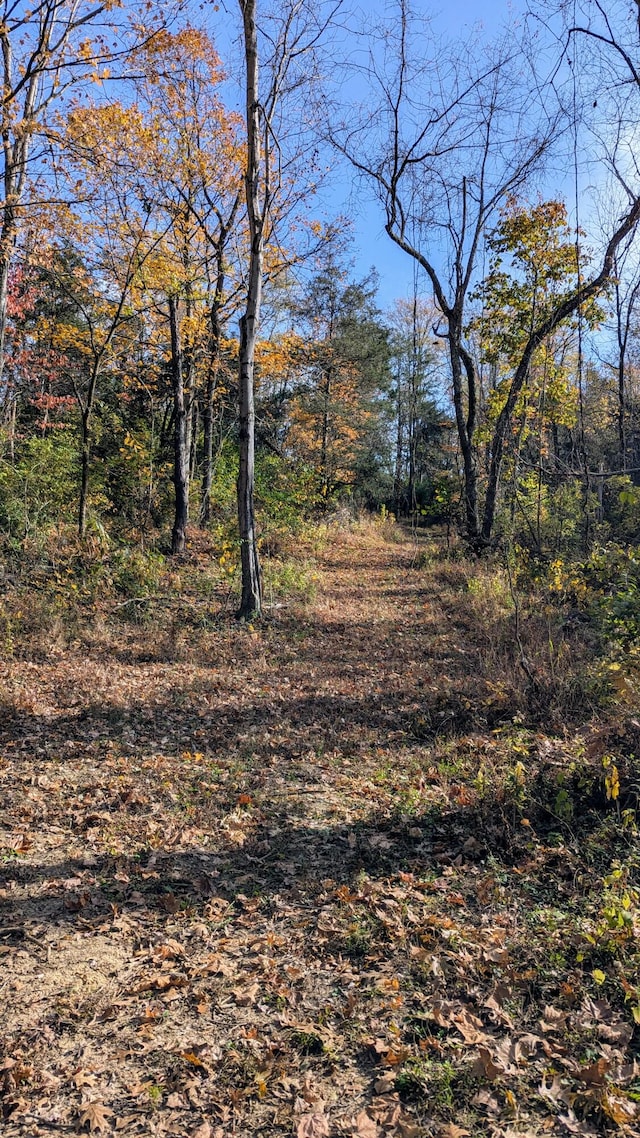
[(371, 246)]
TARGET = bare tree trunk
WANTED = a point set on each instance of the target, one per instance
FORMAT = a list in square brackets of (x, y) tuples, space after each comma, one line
[(622, 334), (465, 423), (625, 309), (215, 343), (207, 458), (622, 413), (6, 249), (180, 436), (207, 417), (324, 441), (251, 599), (411, 488), (413, 409), (397, 482), (189, 377), (298, 35), (85, 459), (194, 430), (462, 365)]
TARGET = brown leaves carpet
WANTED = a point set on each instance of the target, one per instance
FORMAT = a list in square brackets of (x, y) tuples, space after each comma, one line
[(242, 894)]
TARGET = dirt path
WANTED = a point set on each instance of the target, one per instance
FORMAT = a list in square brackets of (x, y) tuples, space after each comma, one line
[(241, 895)]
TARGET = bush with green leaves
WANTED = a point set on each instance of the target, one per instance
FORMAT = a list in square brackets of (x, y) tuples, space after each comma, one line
[(40, 487), (622, 506), (606, 587), (285, 493), (135, 573), (614, 573)]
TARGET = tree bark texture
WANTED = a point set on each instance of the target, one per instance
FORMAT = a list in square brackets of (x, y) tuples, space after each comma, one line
[(180, 435), (251, 599), (85, 458), (212, 377)]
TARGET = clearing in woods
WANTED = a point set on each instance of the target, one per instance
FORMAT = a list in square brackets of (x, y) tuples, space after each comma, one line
[(327, 876)]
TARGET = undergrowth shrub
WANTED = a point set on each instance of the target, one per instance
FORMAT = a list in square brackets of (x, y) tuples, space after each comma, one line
[(604, 592), (292, 579), (622, 507), (606, 587), (39, 489), (529, 654), (287, 497), (136, 573)]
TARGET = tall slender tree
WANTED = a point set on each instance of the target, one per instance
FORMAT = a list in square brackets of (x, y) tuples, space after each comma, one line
[(258, 190), (294, 35)]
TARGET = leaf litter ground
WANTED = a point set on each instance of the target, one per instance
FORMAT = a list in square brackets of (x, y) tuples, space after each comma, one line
[(264, 889)]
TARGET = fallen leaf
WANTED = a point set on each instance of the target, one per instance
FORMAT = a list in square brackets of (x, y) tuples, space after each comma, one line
[(193, 1059), (595, 1074), (486, 1101), (19, 843), (574, 1126), (495, 955), (511, 1102), (555, 1092), (628, 1073), (313, 1126), (485, 1066), (170, 903), (409, 1130), (387, 1110), (621, 1110), (398, 1055), (245, 997), (552, 1020), (527, 1046), (458, 1016), (494, 1004), (469, 1026), (95, 1115), (75, 902), (365, 1127), (202, 1131), (619, 1034), (385, 1083)]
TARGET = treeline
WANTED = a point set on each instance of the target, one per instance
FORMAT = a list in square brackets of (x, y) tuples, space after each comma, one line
[(510, 411)]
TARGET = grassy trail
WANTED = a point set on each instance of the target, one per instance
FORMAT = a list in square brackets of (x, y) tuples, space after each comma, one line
[(303, 879)]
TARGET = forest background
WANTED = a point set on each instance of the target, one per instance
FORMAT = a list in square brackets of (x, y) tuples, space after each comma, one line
[(498, 397)]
